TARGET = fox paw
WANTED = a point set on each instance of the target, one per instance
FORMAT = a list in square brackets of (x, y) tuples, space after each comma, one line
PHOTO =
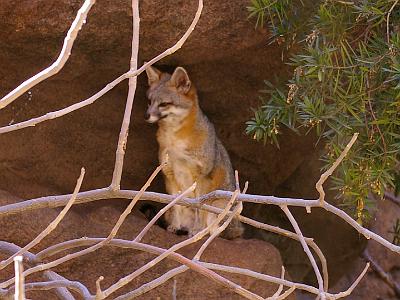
[(177, 231)]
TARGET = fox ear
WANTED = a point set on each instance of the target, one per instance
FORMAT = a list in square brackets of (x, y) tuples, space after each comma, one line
[(180, 80), (153, 75)]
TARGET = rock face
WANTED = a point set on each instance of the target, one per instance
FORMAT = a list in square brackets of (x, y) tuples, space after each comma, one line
[(373, 287), (226, 59), (114, 263)]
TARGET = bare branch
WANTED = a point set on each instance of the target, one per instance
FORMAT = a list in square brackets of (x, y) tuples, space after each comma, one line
[(268, 278), (202, 268), (353, 286), (55, 201), (306, 250), (386, 277), (112, 234), (163, 210), (237, 184), (50, 227), (174, 290), (280, 288), (108, 87), (10, 248), (123, 135), (246, 186), (99, 292), (62, 292), (106, 193), (238, 209), (175, 47), (153, 284), (56, 284), (56, 66), (31, 259), (365, 232), (238, 289), (19, 279), (329, 172), (287, 293), (62, 112)]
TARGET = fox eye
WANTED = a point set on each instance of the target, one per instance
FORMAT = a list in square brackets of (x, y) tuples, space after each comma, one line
[(164, 104)]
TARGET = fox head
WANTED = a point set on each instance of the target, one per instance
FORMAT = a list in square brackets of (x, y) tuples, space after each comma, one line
[(171, 96)]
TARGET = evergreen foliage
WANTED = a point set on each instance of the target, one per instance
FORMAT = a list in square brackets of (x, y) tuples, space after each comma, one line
[(346, 78)]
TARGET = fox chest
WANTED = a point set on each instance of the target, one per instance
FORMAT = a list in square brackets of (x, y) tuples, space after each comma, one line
[(183, 165)]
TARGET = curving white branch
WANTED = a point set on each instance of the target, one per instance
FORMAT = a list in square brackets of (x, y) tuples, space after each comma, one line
[(56, 66), (109, 86)]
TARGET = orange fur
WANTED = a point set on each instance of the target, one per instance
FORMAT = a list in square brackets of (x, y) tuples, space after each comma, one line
[(188, 131), (218, 177)]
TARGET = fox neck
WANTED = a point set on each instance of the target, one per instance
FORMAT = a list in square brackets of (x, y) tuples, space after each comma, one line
[(186, 126)]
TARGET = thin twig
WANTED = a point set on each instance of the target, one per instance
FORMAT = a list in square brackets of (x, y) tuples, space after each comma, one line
[(154, 283), (280, 288), (306, 250), (287, 293), (237, 184), (287, 283), (50, 227), (238, 209), (56, 66), (162, 211), (62, 292), (353, 286), (386, 277), (123, 135), (174, 289), (62, 112), (177, 46), (19, 278), (329, 172), (246, 186), (371, 110), (98, 286), (388, 21)]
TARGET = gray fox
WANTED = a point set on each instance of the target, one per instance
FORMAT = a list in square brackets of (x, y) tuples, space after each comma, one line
[(195, 153)]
